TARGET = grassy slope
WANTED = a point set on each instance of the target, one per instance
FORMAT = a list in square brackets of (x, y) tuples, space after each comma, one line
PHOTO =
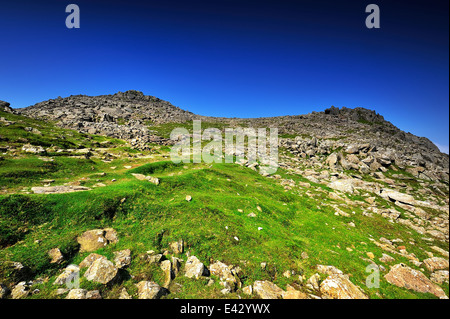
[(149, 217)]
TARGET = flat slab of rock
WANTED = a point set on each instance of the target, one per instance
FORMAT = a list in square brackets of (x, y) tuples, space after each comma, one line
[(58, 189), (403, 276), (398, 197), (339, 286)]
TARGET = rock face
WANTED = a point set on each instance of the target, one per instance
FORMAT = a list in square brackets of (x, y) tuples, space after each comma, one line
[(267, 290), (102, 271), (403, 276), (339, 286)]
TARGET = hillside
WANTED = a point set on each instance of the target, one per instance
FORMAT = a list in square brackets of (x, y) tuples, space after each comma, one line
[(87, 186)]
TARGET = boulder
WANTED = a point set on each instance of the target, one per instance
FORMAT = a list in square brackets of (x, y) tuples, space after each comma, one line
[(340, 287), (21, 290), (122, 258), (397, 197), (89, 260), (194, 268), (267, 290), (439, 277), (149, 290), (225, 274), (77, 294), (56, 256), (292, 293), (403, 276), (436, 263), (92, 240), (102, 271)]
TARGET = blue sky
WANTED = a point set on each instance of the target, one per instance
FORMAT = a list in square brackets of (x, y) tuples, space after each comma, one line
[(237, 58)]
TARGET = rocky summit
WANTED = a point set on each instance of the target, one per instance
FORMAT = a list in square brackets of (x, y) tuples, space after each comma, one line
[(92, 207)]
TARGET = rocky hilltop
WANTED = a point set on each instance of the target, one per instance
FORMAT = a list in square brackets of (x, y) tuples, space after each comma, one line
[(130, 115)]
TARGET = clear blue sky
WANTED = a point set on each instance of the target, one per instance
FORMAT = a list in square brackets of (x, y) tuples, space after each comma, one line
[(237, 58)]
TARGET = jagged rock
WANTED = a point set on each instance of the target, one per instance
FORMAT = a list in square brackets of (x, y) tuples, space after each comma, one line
[(28, 148), (398, 197), (20, 291), (194, 268), (340, 287), (102, 271), (267, 290), (149, 290), (386, 258), (124, 294), (77, 294), (89, 260), (122, 258), (94, 294), (403, 276)]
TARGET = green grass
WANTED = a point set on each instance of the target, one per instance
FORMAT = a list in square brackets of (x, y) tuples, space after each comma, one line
[(149, 217), (152, 216)]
